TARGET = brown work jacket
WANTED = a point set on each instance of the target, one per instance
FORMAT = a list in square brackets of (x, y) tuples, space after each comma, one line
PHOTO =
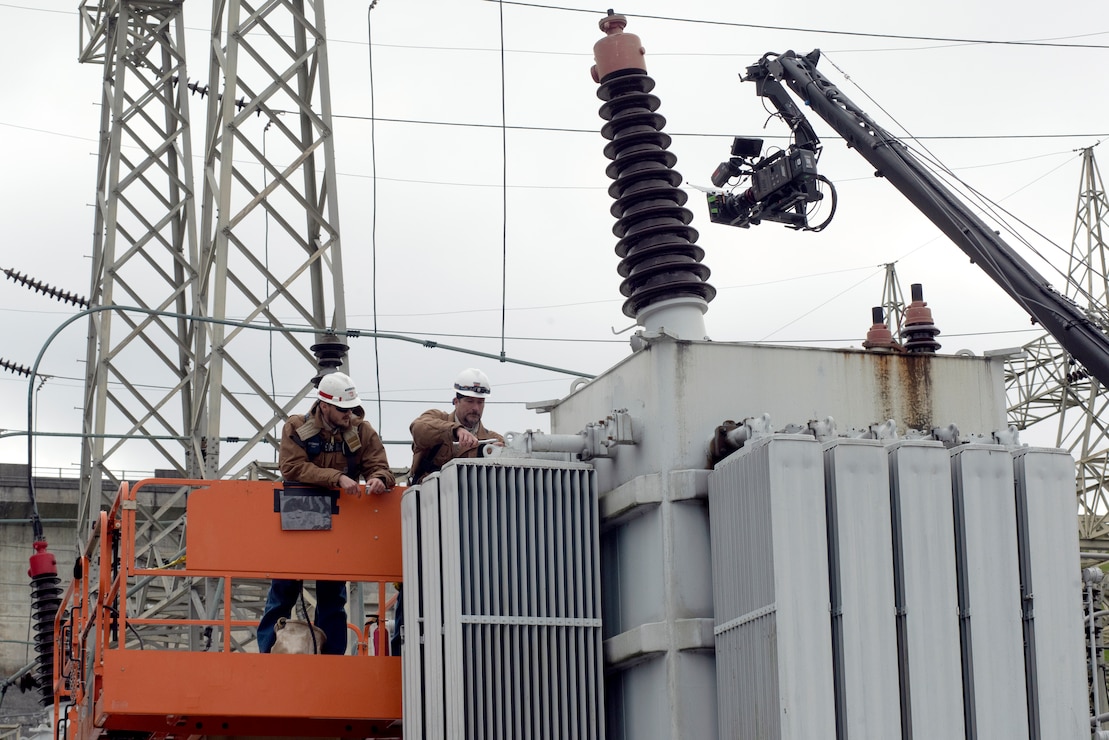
[(433, 432), (327, 467)]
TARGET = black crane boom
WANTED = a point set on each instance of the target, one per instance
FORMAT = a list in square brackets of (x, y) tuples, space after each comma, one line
[(1077, 333)]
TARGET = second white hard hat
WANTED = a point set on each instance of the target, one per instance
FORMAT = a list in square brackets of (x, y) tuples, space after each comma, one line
[(472, 382)]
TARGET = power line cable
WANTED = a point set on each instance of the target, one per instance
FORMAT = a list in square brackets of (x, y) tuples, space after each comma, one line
[(269, 337), (373, 215), (818, 306), (504, 184), (674, 19), (592, 132), (986, 205), (799, 29), (674, 134)]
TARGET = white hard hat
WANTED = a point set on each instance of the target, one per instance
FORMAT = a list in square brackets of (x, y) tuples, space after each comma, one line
[(472, 382), (338, 390)]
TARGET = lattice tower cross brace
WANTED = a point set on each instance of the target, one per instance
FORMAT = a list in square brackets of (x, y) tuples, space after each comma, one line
[(273, 66), (1048, 383), (140, 382)]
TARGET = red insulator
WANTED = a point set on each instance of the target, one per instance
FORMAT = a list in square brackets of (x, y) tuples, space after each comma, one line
[(918, 332), (617, 50), (879, 337), (46, 598)]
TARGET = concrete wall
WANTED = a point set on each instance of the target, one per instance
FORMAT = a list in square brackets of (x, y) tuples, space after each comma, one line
[(57, 503)]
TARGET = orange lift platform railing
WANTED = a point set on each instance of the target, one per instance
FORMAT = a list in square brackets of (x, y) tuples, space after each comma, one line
[(179, 681)]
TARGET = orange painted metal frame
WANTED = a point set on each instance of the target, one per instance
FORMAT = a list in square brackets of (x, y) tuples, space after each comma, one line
[(232, 533)]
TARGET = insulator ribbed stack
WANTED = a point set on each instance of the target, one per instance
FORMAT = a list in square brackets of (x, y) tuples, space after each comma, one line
[(659, 257), (918, 333), (40, 287), (46, 598), (331, 353)]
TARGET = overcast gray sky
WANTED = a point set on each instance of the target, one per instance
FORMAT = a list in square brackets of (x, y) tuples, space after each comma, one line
[(1008, 117)]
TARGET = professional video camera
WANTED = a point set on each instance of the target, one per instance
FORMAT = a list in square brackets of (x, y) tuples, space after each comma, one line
[(783, 185)]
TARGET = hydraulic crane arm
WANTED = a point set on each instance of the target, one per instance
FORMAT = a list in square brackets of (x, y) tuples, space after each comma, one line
[(1060, 316)]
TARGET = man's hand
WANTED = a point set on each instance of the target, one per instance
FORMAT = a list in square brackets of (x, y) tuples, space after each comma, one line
[(349, 485), (466, 440), (374, 485)]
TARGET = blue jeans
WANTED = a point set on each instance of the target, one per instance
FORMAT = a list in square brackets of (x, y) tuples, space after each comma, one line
[(396, 641), (331, 614)]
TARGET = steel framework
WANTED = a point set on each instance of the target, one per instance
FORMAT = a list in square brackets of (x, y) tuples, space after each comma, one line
[(893, 300), (191, 313), (140, 376), (1047, 382)]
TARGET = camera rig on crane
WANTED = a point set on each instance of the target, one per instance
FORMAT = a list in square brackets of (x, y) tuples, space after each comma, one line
[(784, 184), (1082, 335)]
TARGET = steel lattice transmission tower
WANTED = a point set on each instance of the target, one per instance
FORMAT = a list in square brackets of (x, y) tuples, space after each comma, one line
[(176, 378), (140, 382), (1047, 383), (893, 300), (269, 167)]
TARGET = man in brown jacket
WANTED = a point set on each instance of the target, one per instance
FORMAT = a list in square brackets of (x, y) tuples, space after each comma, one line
[(439, 437), (331, 446)]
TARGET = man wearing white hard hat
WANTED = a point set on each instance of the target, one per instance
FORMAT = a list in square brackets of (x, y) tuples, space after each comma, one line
[(438, 436), (331, 446)]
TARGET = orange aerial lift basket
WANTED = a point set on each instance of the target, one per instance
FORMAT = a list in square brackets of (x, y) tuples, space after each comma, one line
[(202, 675)]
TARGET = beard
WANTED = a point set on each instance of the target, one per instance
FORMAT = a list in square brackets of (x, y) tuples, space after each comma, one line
[(339, 421)]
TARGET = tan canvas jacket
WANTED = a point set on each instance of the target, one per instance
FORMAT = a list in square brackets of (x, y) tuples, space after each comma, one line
[(328, 467), (436, 429)]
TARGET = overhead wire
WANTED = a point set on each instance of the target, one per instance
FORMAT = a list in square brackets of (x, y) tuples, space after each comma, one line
[(800, 29), (818, 306), (266, 252), (504, 185), (32, 435), (1050, 42), (701, 134), (986, 205), (373, 212)]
